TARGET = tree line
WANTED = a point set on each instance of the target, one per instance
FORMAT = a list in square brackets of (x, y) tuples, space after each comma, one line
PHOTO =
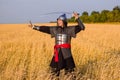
[(103, 16)]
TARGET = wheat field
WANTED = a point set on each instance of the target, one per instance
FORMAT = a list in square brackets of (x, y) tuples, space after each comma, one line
[(25, 54)]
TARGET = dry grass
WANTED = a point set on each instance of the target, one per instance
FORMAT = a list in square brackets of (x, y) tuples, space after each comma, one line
[(25, 54)]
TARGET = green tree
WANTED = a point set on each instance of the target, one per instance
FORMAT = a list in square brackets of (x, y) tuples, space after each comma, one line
[(85, 17), (85, 13), (103, 15), (116, 13), (116, 8), (110, 16), (95, 16), (72, 19)]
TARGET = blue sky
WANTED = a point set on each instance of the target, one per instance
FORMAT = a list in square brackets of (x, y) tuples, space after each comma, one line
[(21, 11)]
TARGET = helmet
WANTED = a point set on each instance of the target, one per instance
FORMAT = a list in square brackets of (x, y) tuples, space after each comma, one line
[(62, 17)]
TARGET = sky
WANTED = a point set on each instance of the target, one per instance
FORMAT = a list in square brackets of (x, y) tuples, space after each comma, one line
[(21, 11)]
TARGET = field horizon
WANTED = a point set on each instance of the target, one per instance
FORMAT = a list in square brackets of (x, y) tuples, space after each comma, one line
[(25, 54)]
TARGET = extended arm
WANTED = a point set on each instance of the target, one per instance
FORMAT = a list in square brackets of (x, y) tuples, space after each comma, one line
[(44, 29)]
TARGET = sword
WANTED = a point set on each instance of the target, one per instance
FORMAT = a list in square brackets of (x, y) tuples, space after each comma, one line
[(59, 13), (31, 25), (42, 15)]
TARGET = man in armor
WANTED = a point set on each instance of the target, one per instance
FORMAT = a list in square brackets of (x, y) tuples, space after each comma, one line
[(62, 58)]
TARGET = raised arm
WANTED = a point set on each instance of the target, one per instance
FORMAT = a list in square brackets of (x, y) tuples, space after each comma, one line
[(80, 25)]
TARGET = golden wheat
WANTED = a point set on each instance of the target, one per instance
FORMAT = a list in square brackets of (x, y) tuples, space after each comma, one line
[(25, 54)]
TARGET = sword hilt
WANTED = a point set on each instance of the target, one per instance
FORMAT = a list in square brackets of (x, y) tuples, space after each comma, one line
[(31, 25)]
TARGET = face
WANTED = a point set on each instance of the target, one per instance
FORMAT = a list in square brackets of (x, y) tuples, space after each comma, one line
[(60, 22)]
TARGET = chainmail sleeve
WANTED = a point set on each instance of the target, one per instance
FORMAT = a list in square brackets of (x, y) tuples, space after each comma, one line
[(71, 31), (79, 27), (45, 29), (53, 31)]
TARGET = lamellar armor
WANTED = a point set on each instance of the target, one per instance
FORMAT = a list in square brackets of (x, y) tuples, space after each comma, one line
[(62, 39)]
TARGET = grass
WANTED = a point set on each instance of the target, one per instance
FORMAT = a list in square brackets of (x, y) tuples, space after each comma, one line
[(25, 54)]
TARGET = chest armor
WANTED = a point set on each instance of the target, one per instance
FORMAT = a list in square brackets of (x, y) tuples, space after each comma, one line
[(62, 39)]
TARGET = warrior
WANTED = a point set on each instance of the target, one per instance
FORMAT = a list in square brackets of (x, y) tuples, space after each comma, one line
[(62, 58)]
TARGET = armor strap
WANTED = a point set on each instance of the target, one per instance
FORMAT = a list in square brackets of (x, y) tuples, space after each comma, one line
[(60, 46)]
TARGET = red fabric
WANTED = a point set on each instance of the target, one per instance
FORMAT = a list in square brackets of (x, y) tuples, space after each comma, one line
[(60, 46)]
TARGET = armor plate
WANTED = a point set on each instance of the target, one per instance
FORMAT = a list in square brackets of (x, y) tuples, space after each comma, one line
[(62, 38)]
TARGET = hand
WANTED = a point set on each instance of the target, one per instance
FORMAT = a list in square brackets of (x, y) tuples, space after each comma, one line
[(76, 15), (31, 25)]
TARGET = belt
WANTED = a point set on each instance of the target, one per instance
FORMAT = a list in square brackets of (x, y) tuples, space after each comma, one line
[(66, 45)]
